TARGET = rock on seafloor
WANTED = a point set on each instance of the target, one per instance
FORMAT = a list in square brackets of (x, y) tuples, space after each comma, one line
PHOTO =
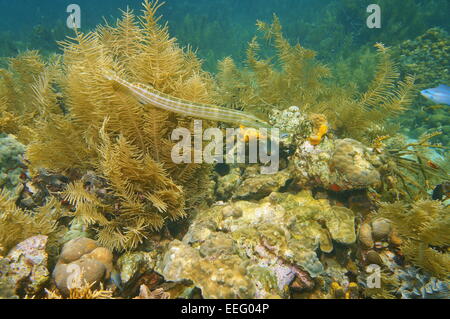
[(342, 164), (82, 260), (256, 186), (365, 235), (133, 264), (24, 269), (219, 276), (226, 185)]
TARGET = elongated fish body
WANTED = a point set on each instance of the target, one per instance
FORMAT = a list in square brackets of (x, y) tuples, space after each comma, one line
[(439, 95), (148, 95)]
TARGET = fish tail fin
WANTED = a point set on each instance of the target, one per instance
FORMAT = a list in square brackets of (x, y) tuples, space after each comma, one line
[(444, 87)]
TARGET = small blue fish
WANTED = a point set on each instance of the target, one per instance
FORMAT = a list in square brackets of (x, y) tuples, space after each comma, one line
[(116, 279), (439, 95)]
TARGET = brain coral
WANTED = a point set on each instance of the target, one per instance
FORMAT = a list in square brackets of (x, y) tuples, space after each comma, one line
[(351, 163), (82, 257)]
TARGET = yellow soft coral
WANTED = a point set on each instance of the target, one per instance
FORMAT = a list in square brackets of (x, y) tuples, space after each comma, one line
[(321, 128), (250, 133)]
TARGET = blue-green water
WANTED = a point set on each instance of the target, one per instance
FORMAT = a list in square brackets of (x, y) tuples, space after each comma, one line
[(218, 28), (90, 168)]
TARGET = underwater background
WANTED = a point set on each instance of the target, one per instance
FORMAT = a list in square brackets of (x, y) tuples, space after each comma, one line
[(87, 179), (221, 28)]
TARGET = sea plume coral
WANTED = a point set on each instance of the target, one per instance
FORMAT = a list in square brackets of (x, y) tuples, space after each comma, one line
[(406, 168), (27, 75), (423, 226), (86, 291), (17, 224), (295, 77), (365, 117), (106, 130), (292, 77)]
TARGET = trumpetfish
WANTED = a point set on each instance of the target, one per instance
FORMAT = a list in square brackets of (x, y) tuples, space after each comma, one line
[(148, 95)]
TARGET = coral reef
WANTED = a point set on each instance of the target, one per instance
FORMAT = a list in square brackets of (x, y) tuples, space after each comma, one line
[(406, 169), (405, 282), (91, 198), (255, 186), (349, 292), (133, 265), (294, 122), (7, 287), (261, 250), (337, 165), (183, 262), (351, 162), (376, 234), (11, 165), (423, 227), (394, 168), (24, 268), (227, 184), (422, 286), (17, 224), (320, 126)]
